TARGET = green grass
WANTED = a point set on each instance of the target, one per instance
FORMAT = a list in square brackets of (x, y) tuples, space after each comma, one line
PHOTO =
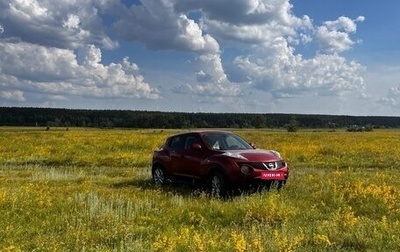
[(90, 190)]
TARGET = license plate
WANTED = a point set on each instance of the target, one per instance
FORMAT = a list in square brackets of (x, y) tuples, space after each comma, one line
[(268, 175)]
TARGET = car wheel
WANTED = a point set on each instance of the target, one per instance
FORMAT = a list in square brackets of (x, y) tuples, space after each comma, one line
[(218, 185), (159, 177)]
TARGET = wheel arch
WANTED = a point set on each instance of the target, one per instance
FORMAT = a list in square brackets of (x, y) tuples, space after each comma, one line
[(216, 168), (157, 164)]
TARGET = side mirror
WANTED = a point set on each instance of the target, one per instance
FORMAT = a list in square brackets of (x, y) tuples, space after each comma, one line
[(253, 145), (195, 146)]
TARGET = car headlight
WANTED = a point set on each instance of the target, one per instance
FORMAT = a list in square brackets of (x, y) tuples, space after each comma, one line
[(233, 155)]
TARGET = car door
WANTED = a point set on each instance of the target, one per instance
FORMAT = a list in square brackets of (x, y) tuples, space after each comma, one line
[(176, 153), (191, 165)]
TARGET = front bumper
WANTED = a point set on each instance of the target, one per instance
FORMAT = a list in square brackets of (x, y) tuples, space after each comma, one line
[(261, 173)]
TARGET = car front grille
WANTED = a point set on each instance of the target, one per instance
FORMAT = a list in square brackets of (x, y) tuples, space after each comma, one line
[(267, 165)]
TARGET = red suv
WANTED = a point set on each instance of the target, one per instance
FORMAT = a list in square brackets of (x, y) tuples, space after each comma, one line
[(221, 160)]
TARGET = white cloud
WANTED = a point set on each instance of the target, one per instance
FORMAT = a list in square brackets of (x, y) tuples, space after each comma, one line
[(56, 47), (14, 95), (211, 65), (72, 22), (55, 23), (211, 79), (277, 69), (156, 24), (252, 22), (272, 64), (27, 67), (333, 36), (239, 12), (271, 30), (393, 98)]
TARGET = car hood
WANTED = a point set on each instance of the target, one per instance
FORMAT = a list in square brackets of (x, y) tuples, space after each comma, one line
[(256, 155)]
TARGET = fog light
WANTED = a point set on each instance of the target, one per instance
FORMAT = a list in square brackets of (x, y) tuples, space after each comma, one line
[(246, 169)]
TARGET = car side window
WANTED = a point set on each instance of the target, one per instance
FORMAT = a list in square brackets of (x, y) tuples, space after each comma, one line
[(178, 142), (190, 140)]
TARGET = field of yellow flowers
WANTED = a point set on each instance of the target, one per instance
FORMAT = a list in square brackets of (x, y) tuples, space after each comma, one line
[(90, 190)]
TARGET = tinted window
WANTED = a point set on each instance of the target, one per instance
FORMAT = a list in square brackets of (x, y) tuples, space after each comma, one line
[(190, 140), (177, 142)]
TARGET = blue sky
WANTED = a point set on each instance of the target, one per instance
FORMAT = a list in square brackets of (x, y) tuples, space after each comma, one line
[(255, 56)]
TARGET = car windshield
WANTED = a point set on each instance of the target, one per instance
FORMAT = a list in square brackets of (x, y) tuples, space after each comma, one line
[(225, 141)]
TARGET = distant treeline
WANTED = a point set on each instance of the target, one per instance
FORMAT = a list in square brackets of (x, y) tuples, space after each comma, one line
[(51, 117)]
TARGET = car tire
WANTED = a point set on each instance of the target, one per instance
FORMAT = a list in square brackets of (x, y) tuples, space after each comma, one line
[(158, 175), (218, 185)]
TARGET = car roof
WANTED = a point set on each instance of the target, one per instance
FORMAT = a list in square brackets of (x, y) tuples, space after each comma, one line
[(201, 131)]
